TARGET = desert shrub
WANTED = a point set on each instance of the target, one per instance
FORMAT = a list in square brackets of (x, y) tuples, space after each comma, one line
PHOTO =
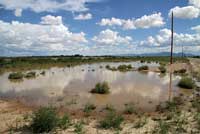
[(78, 127), (89, 107), (186, 82), (101, 88), (64, 122), (181, 71), (112, 120), (140, 123), (46, 119), (162, 69), (143, 68), (124, 67), (17, 75), (129, 109), (163, 127), (30, 75), (196, 103), (107, 66), (43, 73)]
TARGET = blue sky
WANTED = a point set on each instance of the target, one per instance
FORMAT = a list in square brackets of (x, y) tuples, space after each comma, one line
[(97, 27)]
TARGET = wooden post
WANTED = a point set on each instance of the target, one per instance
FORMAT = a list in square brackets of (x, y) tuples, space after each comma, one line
[(171, 57), (172, 38)]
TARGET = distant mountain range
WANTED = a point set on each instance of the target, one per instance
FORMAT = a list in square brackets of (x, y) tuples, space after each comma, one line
[(158, 54)]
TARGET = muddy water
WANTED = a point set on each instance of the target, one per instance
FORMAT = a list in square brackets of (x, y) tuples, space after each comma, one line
[(70, 87)]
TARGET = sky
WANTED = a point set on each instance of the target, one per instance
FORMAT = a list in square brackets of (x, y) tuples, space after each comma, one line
[(97, 27)]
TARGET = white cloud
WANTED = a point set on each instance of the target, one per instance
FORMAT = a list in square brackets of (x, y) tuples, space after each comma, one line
[(109, 37), (18, 12), (196, 28), (83, 16), (51, 20), (47, 5), (34, 38), (162, 39), (146, 21), (188, 12), (195, 3)]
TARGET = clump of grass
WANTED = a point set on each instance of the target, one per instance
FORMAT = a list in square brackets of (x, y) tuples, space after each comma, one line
[(112, 120), (143, 68), (89, 108), (43, 73), (107, 66), (46, 119), (101, 88), (16, 76), (129, 109), (124, 67), (163, 127), (78, 127), (30, 75), (64, 122), (162, 69), (186, 82), (197, 118), (181, 71), (140, 123), (196, 103)]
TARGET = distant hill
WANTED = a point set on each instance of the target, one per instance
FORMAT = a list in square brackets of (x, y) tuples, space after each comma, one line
[(158, 54)]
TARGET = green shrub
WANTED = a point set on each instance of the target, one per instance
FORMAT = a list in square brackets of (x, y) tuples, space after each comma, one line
[(187, 83), (46, 119), (140, 123), (107, 66), (163, 127), (30, 75), (89, 107), (181, 71), (124, 67), (142, 68), (79, 127), (162, 69), (43, 73), (17, 75), (112, 120), (101, 88), (64, 122)]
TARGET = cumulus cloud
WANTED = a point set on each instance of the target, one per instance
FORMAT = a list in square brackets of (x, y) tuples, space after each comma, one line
[(18, 12), (196, 28), (146, 21), (47, 5), (83, 16), (48, 36), (51, 20), (188, 12), (109, 37), (195, 3), (162, 39)]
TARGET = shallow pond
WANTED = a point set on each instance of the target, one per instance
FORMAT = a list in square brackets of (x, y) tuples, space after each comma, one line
[(70, 87)]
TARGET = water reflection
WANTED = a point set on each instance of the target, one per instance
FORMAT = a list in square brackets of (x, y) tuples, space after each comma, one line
[(61, 85)]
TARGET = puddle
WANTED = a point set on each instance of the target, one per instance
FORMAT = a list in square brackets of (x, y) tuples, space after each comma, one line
[(70, 87)]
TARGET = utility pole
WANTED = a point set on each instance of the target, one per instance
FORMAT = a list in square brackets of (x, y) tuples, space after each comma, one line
[(172, 37), (171, 57)]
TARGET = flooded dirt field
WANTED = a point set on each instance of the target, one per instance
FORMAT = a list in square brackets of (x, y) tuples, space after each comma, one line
[(70, 87)]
